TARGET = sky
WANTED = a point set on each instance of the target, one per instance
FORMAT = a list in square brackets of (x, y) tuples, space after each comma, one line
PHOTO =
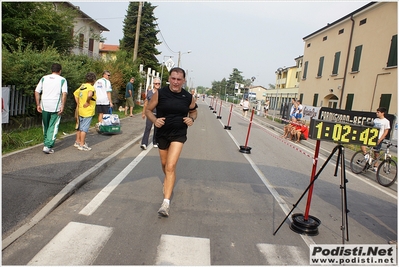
[(255, 37)]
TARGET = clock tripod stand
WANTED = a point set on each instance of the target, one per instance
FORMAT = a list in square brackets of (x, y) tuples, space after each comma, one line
[(308, 226)]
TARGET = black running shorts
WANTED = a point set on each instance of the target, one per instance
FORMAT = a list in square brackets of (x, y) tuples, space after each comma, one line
[(164, 141)]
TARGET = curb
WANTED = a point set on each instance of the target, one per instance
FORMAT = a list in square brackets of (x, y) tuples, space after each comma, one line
[(65, 193)]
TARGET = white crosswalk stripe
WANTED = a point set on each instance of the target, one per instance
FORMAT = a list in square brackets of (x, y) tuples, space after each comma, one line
[(182, 250), (75, 244), (80, 244), (283, 255), (90, 208)]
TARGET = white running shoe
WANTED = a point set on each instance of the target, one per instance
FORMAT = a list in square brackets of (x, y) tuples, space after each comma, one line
[(85, 147), (143, 146), (164, 209), (48, 150)]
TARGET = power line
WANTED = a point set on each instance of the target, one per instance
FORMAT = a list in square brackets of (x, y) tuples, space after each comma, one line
[(160, 32)]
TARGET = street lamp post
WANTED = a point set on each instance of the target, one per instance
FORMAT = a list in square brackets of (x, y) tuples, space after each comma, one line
[(250, 89), (180, 53), (163, 64), (225, 87), (279, 71), (188, 78)]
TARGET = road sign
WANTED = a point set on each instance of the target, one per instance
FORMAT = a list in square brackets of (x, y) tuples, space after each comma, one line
[(169, 64)]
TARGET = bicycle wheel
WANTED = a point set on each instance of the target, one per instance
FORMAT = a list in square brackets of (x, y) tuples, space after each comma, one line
[(387, 172), (358, 162)]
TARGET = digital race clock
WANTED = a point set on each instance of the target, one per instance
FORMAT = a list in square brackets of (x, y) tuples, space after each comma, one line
[(343, 132)]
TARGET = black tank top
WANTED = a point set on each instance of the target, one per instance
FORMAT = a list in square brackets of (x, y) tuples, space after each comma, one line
[(173, 107)]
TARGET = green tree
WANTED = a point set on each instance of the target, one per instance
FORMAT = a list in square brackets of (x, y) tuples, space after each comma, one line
[(235, 77), (215, 87), (37, 24), (227, 86), (146, 53), (201, 89)]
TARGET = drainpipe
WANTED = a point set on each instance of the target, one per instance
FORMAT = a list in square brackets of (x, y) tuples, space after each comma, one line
[(375, 88), (347, 62)]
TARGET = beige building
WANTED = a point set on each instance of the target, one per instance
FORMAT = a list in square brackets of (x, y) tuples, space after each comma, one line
[(351, 63), (87, 31), (258, 92), (286, 86), (108, 52)]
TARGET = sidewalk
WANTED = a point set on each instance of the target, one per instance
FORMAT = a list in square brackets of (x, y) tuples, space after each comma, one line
[(34, 183), (326, 147)]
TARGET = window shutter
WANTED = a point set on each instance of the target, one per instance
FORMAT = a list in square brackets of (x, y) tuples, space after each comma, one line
[(305, 70), (336, 62), (320, 71), (356, 58), (393, 52)]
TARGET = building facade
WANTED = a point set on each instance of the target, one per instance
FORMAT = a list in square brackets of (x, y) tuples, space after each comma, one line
[(287, 85), (108, 52), (87, 32), (257, 92), (351, 63)]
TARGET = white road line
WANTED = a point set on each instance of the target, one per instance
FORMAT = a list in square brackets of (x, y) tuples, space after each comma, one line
[(61, 196), (283, 205), (92, 206), (75, 244), (360, 178), (282, 255), (374, 185), (183, 251)]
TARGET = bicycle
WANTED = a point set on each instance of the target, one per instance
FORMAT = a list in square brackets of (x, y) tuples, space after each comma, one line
[(386, 173)]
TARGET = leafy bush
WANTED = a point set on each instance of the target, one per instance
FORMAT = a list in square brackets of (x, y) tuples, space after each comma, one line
[(25, 67)]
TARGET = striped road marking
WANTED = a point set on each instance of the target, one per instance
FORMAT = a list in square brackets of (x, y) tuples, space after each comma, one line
[(282, 255), (75, 244), (96, 202), (181, 250)]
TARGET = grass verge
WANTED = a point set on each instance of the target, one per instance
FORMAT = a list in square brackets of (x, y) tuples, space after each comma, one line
[(20, 139)]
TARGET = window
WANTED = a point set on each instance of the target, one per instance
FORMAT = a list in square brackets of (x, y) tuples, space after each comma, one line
[(341, 31), (393, 52), (305, 70), (315, 98), (336, 63), (385, 101), (308, 45), (349, 101), (91, 44), (363, 21), (356, 58), (299, 63), (320, 70), (81, 40), (324, 38)]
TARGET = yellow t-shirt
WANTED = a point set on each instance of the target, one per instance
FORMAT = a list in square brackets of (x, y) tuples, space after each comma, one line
[(82, 93)]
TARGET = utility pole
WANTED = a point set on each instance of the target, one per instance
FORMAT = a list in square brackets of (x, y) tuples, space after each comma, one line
[(136, 38)]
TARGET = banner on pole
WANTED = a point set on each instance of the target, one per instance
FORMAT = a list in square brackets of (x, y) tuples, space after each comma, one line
[(5, 104)]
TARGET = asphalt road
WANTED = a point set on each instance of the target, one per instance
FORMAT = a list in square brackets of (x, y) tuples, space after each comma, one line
[(226, 204)]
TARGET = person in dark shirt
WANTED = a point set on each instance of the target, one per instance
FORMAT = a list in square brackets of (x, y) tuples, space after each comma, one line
[(148, 123), (129, 97), (176, 110)]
